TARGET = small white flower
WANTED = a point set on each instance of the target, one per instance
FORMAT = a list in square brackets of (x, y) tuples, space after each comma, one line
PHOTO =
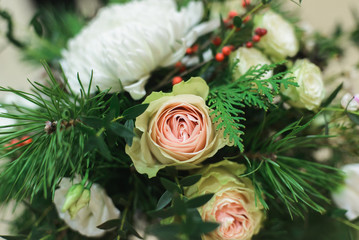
[(124, 43), (310, 92), (280, 41), (350, 102), (99, 210), (249, 57), (348, 196)]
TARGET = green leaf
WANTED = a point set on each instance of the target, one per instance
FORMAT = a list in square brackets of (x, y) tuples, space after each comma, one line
[(18, 237), (132, 230), (37, 25), (332, 96), (162, 213), (100, 144), (121, 130), (199, 201), (206, 227), (170, 186), (237, 21), (354, 118), (135, 111), (190, 180), (164, 200), (179, 205), (130, 124), (110, 224), (165, 232), (94, 122)]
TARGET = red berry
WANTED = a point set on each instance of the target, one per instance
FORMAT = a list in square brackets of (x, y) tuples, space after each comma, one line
[(176, 80), (26, 140), (217, 41), (258, 31), (219, 57), (178, 64), (264, 32), (249, 44), (226, 50), (231, 47), (232, 14), (195, 48), (261, 31), (183, 68), (231, 26), (189, 51), (14, 141), (247, 19), (246, 3), (8, 146), (256, 38)]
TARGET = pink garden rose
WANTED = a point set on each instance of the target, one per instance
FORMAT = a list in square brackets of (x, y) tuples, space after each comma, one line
[(175, 130), (233, 206)]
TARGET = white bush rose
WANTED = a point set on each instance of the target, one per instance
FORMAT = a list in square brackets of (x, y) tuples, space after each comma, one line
[(280, 41), (310, 92)]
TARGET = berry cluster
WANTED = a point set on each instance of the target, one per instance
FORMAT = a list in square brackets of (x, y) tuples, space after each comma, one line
[(25, 140), (259, 33)]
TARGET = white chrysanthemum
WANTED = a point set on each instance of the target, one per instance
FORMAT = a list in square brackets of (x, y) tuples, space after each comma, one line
[(99, 210), (124, 43)]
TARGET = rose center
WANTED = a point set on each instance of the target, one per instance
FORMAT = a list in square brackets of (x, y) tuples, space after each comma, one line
[(182, 126), (233, 219)]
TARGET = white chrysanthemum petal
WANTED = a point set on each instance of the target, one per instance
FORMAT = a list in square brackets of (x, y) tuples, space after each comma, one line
[(125, 43)]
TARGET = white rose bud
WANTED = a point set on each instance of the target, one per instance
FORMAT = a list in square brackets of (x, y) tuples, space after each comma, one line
[(92, 208), (348, 196), (82, 202), (72, 196), (350, 102), (248, 57), (310, 92), (280, 41)]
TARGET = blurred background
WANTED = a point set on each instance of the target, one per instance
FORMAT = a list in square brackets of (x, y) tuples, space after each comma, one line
[(322, 15)]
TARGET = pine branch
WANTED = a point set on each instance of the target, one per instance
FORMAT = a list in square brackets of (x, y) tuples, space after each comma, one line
[(297, 183), (63, 130)]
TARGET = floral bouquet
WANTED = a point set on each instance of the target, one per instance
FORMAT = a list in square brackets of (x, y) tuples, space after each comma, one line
[(164, 119)]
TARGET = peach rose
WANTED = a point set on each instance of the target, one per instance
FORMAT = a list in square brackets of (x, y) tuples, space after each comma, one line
[(233, 206), (175, 130)]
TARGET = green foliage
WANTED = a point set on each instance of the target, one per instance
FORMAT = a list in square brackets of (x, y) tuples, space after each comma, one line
[(250, 90), (54, 27), (181, 218), (297, 183), (68, 133), (10, 29), (354, 35), (326, 47)]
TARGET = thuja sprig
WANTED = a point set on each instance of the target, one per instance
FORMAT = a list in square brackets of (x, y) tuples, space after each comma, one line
[(252, 89), (297, 183)]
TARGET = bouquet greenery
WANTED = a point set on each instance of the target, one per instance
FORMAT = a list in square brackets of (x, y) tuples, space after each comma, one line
[(164, 119)]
